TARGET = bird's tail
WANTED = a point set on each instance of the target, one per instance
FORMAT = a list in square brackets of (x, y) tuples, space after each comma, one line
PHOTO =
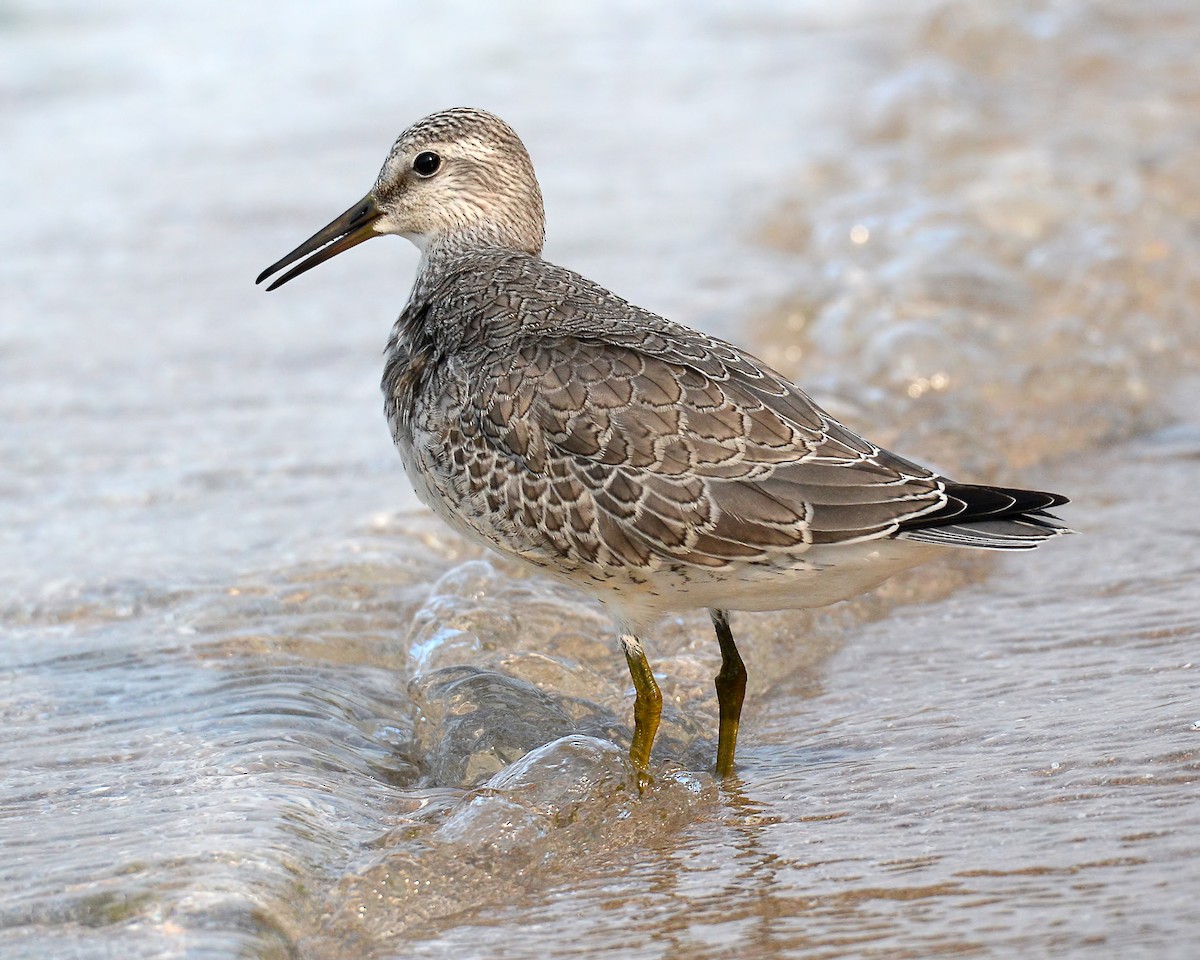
[(990, 518)]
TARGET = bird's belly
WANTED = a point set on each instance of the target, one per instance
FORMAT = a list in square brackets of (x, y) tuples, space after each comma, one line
[(817, 578), (831, 573)]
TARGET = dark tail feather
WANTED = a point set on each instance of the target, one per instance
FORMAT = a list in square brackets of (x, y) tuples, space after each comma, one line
[(992, 518)]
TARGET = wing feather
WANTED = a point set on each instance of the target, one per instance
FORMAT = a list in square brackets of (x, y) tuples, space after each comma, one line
[(689, 451)]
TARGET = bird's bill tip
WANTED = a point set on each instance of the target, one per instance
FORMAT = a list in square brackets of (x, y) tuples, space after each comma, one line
[(356, 225)]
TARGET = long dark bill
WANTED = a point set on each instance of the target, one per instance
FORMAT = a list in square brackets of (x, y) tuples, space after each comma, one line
[(349, 230)]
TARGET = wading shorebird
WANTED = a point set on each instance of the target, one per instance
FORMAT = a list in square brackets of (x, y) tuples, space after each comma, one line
[(651, 466)]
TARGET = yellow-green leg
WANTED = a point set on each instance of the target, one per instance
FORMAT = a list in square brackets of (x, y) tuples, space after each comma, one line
[(731, 691), (647, 708)]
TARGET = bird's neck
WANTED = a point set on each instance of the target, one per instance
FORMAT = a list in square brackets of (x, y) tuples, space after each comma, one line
[(486, 235)]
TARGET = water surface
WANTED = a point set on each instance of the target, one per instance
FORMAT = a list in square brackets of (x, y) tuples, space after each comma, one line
[(264, 705)]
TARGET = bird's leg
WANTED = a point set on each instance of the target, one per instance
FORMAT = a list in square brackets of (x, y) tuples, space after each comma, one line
[(647, 708), (731, 691)]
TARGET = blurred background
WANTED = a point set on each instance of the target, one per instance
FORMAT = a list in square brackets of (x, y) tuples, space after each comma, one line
[(262, 704)]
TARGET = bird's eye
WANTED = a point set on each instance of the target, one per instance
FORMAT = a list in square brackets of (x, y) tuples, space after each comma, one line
[(427, 164)]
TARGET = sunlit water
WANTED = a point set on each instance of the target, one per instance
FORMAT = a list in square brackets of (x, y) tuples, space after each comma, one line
[(261, 704)]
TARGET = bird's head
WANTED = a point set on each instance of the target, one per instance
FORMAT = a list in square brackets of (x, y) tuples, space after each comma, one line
[(458, 178)]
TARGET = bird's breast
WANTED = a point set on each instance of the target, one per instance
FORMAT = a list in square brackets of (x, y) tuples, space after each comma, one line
[(405, 375)]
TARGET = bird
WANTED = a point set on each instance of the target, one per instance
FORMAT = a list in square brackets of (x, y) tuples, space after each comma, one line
[(651, 466)]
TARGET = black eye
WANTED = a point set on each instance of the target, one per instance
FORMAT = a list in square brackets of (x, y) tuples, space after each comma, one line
[(427, 164)]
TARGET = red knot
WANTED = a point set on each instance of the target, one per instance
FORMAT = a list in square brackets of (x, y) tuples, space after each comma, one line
[(651, 466)]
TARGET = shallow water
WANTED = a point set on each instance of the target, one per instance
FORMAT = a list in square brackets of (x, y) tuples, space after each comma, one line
[(263, 705)]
